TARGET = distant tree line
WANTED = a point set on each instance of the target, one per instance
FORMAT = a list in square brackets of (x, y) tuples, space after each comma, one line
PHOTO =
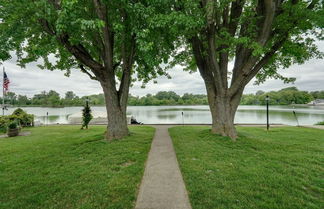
[(52, 98), (286, 96), (168, 98)]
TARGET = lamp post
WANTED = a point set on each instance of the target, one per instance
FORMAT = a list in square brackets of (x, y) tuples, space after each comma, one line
[(46, 119), (182, 119), (267, 101)]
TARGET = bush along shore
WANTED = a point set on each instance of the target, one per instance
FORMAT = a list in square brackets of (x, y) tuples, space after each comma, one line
[(18, 117)]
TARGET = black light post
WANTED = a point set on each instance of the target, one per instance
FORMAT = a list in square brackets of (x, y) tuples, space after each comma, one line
[(182, 119), (47, 118), (267, 100)]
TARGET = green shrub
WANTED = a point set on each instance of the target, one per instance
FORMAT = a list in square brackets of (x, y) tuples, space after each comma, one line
[(19, 116), (12, 125), (19, 111), (24, 119), (3, 123), (320, 123), (86, 116)]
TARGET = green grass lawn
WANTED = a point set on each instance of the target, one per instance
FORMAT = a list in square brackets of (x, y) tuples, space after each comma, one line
[(282, 168), (65, 167)]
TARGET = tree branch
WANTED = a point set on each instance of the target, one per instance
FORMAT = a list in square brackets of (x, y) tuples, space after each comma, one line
[(56, 4), (45, 25), (246, 77), (211, 45), (236, 11), (312, 4), (86, 72), (197, 48), (79, 53), (107, 33), (244, 59), (116, 65), (128, 61)]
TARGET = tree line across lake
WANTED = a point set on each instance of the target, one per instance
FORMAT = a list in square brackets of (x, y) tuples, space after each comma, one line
[(52, 98)]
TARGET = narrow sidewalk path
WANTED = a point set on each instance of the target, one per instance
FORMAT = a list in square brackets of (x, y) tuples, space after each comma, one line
[(162, 185)]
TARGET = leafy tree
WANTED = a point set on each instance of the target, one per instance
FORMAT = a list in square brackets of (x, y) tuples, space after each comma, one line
[(259, 36), (11, 98), (317, 94), (250, 99), (69, 98), (167, 95), (132, 100), (293, 88), (107, 40), (23, 100), (70, 95), (40, 99), (260, 92), (284, 96), (96, 99), (53, 98)]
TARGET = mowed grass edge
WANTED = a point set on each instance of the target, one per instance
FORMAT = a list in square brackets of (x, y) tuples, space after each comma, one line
[(65, 167), (282, 168)]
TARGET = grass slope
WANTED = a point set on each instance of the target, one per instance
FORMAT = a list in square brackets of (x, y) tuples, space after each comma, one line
[(283, 168), (65, 167)]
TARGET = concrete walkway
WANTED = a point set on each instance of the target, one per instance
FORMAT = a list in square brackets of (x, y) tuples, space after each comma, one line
[(162, 185)]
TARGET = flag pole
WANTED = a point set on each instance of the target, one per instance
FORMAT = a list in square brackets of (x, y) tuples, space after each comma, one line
[(3, 92)]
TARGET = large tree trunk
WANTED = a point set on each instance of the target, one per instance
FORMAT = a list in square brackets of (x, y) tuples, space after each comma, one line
[(223, 107), (223, 113), (116, 114)]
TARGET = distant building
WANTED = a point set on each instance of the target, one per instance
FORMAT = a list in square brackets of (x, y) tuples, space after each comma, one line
[(317, 102)]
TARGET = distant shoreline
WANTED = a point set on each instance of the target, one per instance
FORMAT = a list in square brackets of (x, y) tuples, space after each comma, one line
[(299, 105)]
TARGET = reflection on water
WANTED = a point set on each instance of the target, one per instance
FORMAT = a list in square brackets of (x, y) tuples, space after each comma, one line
[(168, 116), (192, 114), (182, 109)]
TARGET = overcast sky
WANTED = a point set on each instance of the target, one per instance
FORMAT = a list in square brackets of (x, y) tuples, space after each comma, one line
[(32, 80)]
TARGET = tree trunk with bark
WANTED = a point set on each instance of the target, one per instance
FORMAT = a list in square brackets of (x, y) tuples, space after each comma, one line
[(117, 121), (116, 113), (223, 109), (223, 117), (212, 57)]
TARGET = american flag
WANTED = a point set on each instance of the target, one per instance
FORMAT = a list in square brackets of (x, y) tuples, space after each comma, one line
[(6, 82)]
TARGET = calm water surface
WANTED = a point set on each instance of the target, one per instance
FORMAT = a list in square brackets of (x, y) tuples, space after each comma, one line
[(306, 115)]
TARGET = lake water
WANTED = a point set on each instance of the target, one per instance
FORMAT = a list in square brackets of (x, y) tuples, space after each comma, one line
[(200, 114)]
